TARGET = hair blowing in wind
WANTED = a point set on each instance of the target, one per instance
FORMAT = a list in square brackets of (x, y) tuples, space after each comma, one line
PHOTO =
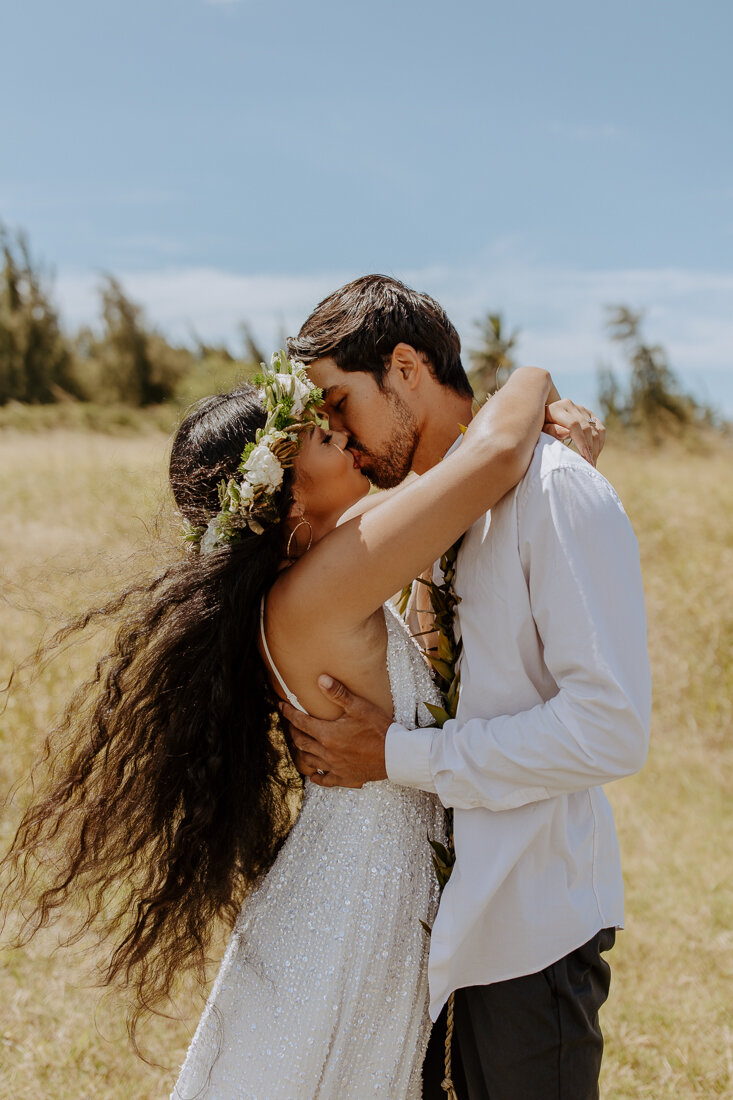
[(167, 790)]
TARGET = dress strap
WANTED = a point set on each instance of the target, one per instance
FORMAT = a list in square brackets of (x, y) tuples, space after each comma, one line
[(289, 695)]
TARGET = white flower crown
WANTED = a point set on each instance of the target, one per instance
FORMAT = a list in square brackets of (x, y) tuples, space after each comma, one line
[(248, 498)]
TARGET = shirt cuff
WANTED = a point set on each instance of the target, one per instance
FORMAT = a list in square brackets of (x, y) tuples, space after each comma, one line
[(407, 757)]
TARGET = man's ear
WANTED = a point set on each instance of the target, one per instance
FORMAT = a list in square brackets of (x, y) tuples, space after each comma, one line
[(408, 364)]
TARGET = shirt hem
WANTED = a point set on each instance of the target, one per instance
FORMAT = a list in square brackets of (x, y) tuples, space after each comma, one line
[(440, 1002)]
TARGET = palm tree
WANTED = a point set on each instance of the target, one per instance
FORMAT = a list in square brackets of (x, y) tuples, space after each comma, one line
[(492, 362)]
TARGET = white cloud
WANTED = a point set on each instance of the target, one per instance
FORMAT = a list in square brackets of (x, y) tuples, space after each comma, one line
[(207, 300), (560, 311)]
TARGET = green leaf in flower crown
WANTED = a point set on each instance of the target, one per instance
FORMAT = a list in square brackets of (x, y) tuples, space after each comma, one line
[(193, 533), (440, 715)]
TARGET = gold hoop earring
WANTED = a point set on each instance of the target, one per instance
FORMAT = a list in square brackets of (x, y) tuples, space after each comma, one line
[(300, 523)]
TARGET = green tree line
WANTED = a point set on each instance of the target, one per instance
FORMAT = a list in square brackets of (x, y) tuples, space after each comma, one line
[(126, 360)]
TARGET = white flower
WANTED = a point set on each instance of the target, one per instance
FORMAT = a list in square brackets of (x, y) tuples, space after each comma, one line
[(210, 540), (299, 390), (263, 469), (246, 494)]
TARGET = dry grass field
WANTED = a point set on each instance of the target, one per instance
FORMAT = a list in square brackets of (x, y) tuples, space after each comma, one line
[(77, 516)]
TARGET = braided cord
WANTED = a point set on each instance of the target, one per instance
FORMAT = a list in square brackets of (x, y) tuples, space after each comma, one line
[(447, 1083)]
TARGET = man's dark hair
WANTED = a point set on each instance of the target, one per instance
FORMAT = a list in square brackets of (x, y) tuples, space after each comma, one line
[(360, 325)]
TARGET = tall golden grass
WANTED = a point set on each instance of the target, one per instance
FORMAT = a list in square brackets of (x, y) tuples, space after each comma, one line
[(77, 519)]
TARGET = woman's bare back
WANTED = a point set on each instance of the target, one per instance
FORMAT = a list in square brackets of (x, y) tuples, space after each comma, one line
[(356, 655)]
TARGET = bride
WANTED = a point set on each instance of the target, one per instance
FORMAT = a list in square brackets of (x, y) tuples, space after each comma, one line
[(169, 802)]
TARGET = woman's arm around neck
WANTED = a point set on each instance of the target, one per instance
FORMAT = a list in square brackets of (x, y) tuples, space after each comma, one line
[(351, 572)]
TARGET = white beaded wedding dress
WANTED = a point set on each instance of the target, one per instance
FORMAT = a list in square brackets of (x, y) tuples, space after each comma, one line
[(322, 992)]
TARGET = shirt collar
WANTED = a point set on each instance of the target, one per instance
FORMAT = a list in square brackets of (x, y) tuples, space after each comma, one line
[(454, 445)]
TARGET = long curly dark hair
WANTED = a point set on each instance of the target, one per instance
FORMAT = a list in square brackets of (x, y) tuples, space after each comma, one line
[(170, 789)]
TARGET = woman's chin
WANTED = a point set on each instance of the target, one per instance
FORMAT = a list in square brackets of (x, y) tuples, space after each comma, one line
[(361, 490)]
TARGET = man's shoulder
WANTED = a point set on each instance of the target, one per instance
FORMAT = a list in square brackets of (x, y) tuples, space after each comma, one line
[(550, 455), (556, 469)]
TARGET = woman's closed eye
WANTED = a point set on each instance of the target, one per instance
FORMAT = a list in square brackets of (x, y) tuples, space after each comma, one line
[(327, 438)]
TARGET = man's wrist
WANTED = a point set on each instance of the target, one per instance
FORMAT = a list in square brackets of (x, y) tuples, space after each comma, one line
[(407, 757)]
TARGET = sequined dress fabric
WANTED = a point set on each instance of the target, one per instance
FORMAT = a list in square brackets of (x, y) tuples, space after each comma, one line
[(322, 992)]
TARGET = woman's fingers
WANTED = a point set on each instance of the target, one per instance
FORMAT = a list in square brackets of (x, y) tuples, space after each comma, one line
[(555, 430), (308, 764), (566, 419), (592, 431), (581, 432)]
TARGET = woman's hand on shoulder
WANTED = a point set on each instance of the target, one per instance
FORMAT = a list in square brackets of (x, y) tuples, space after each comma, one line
[(566, 420)]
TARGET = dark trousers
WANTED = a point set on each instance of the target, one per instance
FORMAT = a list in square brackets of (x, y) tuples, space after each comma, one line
[(531, 1038)]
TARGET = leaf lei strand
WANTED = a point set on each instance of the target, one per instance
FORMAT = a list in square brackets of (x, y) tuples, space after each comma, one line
[(444, 658)]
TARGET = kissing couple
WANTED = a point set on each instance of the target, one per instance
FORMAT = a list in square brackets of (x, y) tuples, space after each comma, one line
[(178, 779)]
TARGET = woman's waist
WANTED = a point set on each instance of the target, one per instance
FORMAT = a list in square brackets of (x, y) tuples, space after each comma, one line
[(373, 803)]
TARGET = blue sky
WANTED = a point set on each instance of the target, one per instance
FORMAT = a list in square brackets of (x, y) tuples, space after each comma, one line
[(239, 159)]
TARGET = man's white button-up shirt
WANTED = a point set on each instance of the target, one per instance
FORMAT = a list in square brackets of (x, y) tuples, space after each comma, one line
[(555, 701)]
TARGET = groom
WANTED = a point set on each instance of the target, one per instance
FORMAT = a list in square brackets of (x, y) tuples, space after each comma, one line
[(554, 702)]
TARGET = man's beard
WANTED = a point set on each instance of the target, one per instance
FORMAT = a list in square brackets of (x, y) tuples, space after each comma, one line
[(387, 470)]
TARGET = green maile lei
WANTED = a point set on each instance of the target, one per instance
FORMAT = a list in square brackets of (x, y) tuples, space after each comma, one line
[(444, 659)]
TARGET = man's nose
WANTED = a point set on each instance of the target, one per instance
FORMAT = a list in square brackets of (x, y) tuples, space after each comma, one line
[(341, 439), (335, 422)]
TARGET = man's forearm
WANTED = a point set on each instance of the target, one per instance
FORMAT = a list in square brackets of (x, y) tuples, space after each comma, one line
[(555, 748), (581, 562)]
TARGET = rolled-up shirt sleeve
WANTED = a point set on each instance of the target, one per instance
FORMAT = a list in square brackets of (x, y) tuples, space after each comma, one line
[(581, 563)]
